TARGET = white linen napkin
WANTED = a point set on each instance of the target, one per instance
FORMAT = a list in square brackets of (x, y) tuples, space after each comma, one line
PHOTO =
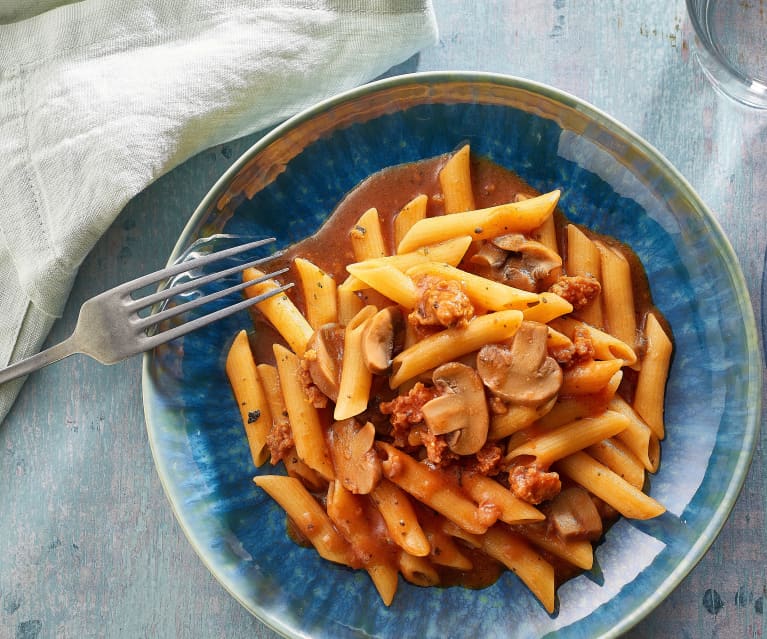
[(98, 98)]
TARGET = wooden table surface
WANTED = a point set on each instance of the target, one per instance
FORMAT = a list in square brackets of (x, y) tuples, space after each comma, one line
[(89, 546)]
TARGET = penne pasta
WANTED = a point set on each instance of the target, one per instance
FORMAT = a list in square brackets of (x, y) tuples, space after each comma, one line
[(356, 378), (453, 343), (281, 312), (485, 293), (638, 436), (560, 442), (488, 493), (387, 280), (448, 252), (349, 303), (352, 284), (366, 236), (442, 534), (250, 396), (432, 487), (651, 382), (577, 552), (570, 409), (409, 214), (617, 294), (589, 377), (557, 342), (614, 454), (455, 180), (350, 516), (418, 570), (394, 505), (309, 477), (446, 425), (304, 418), (605, 346), (515, 418), (549, 307), (270, 384), (583, 259), (546, 233), (514, 552), (513, 217), (307, 514), (319, 291), (599, 480)]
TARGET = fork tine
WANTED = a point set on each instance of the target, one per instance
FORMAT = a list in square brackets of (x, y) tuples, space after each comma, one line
[(187, 265), (172, 291), (187, 327), (155, 318)]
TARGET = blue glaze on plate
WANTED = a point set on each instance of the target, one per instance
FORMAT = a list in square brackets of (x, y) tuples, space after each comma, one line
[(613, 182)]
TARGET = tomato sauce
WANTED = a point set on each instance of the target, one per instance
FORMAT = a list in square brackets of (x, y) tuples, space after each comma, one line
[(389, 191), (392, 188)]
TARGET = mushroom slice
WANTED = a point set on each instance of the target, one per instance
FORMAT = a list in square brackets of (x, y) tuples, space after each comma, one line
[(489, 256), (460, 411), (521, 373), (379, 338), (530, 265), (355, 461), (324, 353), (573, 514)]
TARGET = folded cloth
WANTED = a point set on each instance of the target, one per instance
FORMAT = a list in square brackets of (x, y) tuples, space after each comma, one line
[(100, 97)]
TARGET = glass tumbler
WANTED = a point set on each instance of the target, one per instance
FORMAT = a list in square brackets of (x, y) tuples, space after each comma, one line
[(731, 46)]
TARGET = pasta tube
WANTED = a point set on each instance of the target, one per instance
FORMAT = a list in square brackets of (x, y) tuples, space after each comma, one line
[(319, 291), (514, 217), (609, 487), (409, 214), (304, 419), (651, 383), (280, 311), (453, 343), (308, 515), (251, 398), (455, 180)]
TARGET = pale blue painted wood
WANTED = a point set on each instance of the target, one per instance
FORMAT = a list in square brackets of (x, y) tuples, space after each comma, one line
[(88, 545)]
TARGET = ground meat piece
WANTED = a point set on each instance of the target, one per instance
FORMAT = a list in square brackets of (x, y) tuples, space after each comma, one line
[(562, 354), (487, 461), (316, 397), (280, 441), (579, 290), (405, 410), (584, 346), (580, 349), (532, 484), (441, 303), (437, 450)]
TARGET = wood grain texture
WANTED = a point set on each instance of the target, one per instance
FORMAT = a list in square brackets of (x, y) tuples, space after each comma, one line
[(89, 547)]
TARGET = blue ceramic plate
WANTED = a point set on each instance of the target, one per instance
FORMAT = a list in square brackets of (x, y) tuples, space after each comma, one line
[(614, 183)]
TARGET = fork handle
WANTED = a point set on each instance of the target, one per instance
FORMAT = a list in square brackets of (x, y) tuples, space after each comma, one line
[(35, 362)]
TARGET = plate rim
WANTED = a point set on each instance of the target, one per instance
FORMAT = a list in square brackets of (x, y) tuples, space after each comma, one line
[(754, 364)]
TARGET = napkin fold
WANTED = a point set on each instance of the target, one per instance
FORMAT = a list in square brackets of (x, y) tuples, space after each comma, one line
[(100, 97)]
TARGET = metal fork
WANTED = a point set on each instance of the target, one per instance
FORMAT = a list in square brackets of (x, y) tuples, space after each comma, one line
[(110, 328)]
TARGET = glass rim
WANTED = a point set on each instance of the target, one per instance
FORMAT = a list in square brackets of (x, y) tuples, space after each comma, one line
[(725, 78)]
